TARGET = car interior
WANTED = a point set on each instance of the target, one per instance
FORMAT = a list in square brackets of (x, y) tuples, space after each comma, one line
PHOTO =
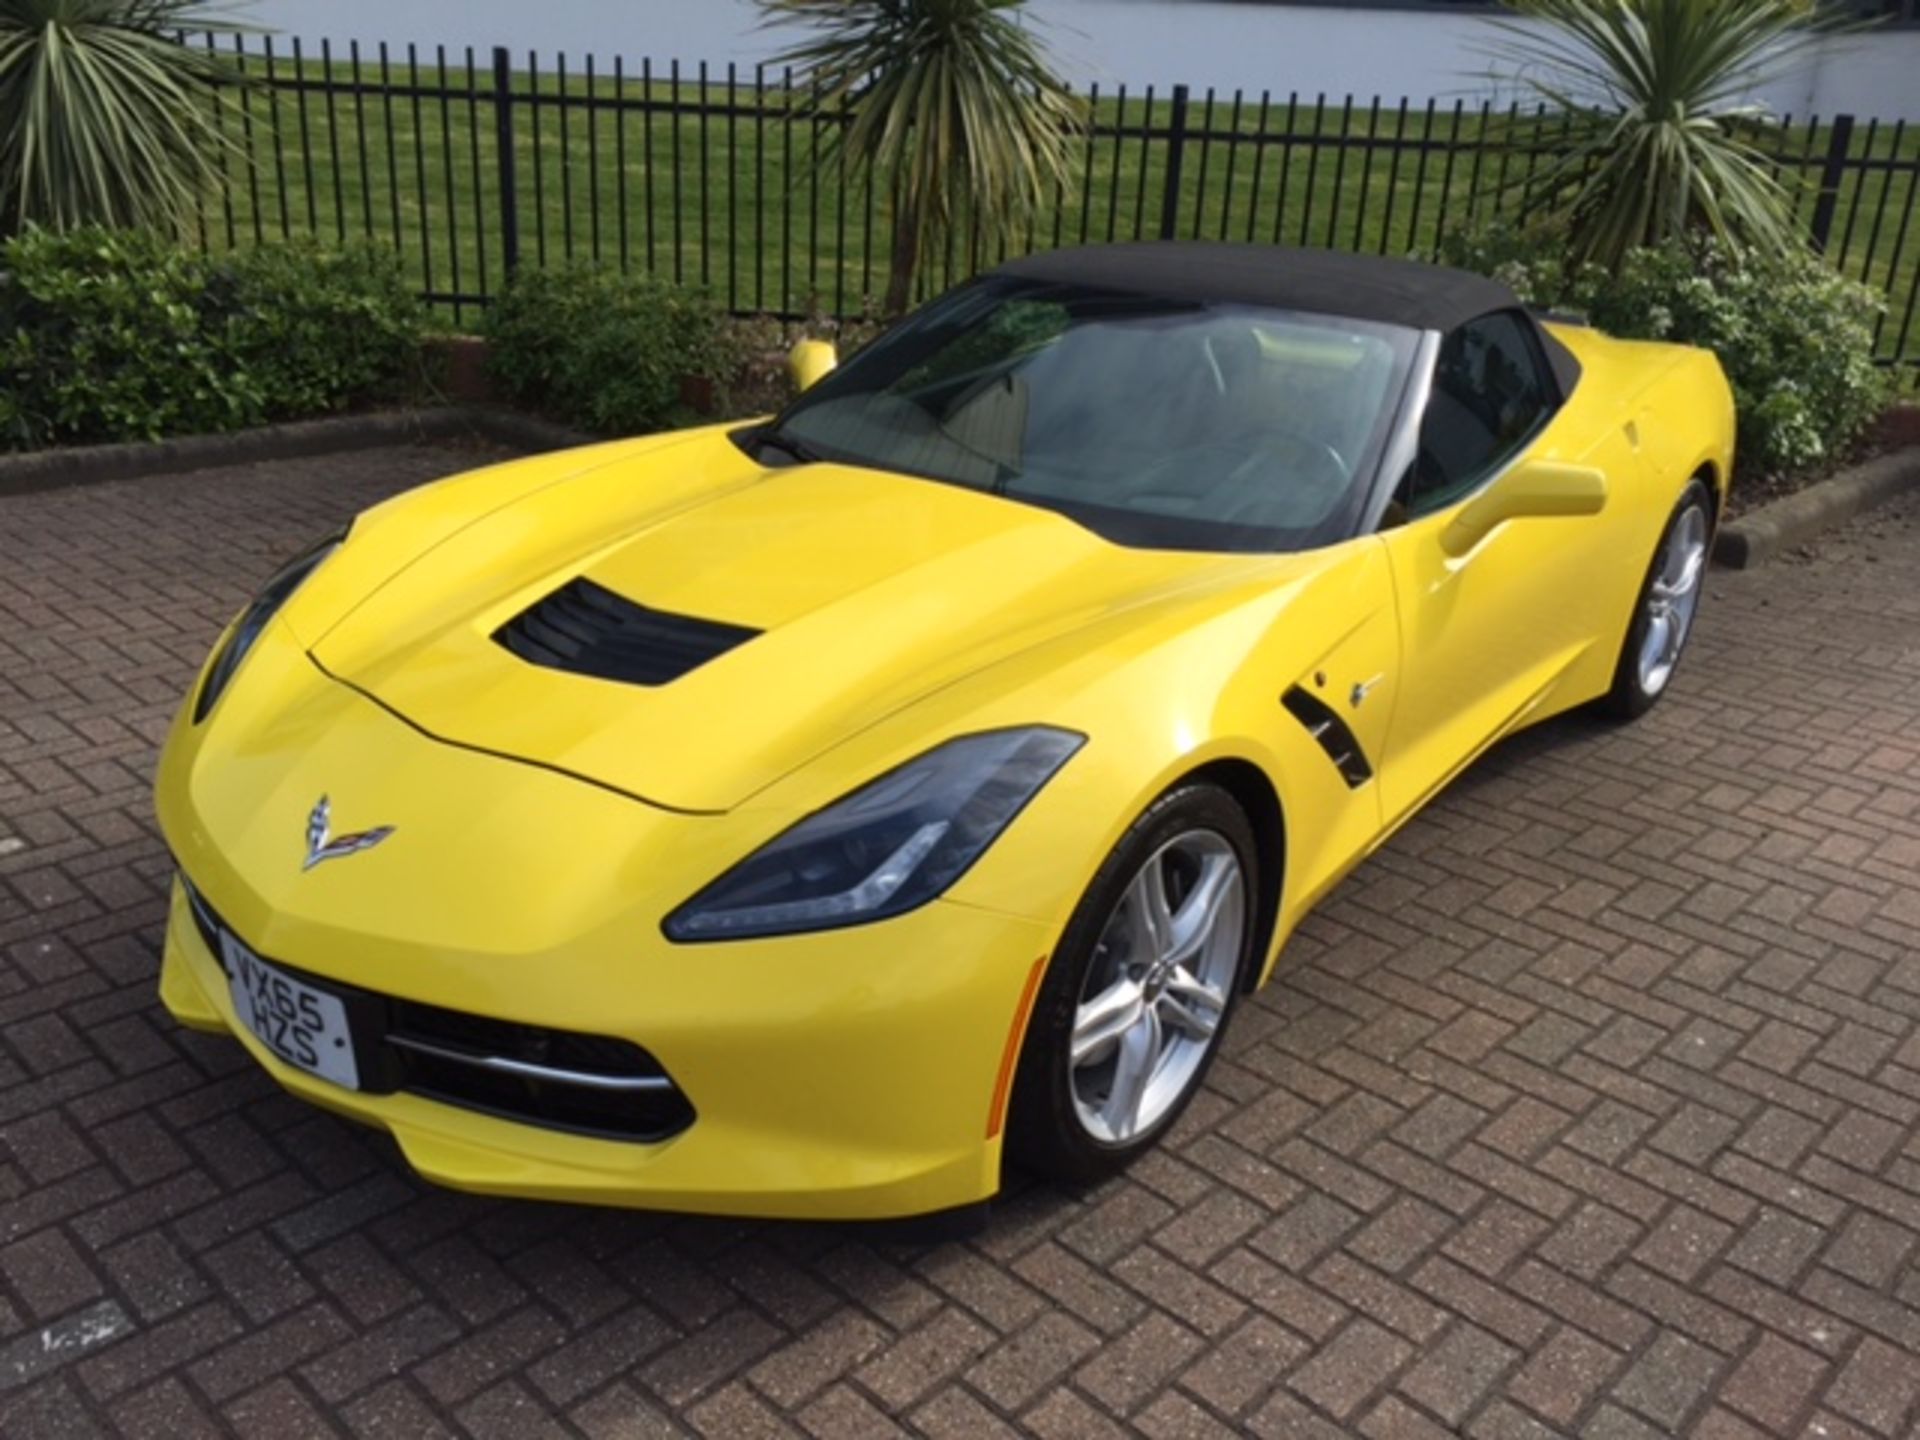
[(1154, 422)]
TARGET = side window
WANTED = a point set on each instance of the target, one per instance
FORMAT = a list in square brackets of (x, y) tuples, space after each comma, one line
[(1490, 394)]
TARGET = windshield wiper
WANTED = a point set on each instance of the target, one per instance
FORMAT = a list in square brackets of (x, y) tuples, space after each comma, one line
[(781, 439)]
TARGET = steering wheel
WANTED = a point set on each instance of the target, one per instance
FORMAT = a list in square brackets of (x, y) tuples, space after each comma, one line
[(1299, 440), (1240, 475), (1279, 460)]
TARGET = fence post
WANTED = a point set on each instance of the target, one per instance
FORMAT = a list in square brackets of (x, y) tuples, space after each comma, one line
[(503, 141), (1176, 147), (1838, 144)]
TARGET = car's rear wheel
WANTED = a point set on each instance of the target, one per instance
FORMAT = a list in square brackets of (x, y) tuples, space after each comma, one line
[(1137, 996), (1664, 612)]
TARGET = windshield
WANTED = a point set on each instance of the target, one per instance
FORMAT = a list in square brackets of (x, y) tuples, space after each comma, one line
[(1155, 423)]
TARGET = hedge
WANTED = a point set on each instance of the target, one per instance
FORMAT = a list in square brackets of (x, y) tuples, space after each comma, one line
[(122, 335)]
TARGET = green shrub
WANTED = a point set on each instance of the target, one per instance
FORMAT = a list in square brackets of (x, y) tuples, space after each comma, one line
[(119, 335), (322, 329), (105, 339), (1795, 338), (602, 350)]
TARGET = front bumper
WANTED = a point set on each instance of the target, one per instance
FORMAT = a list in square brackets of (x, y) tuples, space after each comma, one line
[(843, 1121), (852, 1074)]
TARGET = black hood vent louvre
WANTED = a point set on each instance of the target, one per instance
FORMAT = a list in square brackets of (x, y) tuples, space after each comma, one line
[(587, 629)]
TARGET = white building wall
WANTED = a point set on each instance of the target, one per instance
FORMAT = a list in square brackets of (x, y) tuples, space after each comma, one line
[(1283, 48), (1421, 54)]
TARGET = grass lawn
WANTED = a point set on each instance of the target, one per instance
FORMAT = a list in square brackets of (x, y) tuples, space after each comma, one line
[(708, 177)]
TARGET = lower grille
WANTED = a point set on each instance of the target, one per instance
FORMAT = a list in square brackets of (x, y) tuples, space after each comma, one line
[(595, 1085), (562, 1079), (552, 1101)]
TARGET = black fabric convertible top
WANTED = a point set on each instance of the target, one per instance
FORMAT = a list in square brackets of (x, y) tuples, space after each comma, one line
[(1325, 282)]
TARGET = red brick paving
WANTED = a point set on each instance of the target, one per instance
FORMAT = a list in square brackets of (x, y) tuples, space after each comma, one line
[(1589, 1106)]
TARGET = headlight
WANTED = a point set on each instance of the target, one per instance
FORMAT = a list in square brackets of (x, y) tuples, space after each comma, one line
[(888, 847), (246, 630)]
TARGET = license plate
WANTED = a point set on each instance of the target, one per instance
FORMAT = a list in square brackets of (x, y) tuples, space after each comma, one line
[(305, 1027)]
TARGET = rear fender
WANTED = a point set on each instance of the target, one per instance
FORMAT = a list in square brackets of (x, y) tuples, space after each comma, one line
[(1694, 434)]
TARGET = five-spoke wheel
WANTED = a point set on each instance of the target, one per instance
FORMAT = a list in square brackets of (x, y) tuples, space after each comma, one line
[(1158, 987), (1672, 597), (1139, 991), (1665, 608)]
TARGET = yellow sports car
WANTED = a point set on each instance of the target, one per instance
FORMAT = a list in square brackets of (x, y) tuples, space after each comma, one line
[(799, 817)]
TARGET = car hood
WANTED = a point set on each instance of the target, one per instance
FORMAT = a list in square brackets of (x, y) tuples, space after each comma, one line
[(867, 591)]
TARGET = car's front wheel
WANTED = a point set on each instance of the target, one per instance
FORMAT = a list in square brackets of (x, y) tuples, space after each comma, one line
[(1138, 994), (1664, 612)]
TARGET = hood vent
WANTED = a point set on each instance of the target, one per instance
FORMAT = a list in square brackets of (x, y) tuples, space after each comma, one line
[(587, 629)]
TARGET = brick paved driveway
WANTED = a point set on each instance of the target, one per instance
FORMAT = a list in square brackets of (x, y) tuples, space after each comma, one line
[(1589, 1106)]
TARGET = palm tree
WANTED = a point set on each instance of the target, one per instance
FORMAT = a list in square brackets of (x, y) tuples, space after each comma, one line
[(106, 116), (953, 104), (1651, 118)]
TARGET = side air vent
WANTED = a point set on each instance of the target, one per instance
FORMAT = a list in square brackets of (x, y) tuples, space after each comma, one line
[(1340, 743), (589, 630)]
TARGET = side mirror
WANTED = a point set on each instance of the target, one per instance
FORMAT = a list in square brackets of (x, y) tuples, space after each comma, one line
[(810, 361), (1531, 489)]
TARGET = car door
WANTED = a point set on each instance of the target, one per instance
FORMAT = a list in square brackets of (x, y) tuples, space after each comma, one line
[(1483, 635)]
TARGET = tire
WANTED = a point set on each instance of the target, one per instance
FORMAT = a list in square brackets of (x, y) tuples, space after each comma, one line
[(1074, 1122), (1669, 596)]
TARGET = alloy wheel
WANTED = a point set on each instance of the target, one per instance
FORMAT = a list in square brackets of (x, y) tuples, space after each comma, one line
[(1158, 987), (1673, 596)]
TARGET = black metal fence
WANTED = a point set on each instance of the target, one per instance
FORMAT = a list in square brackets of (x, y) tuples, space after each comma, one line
[(472, 166)]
